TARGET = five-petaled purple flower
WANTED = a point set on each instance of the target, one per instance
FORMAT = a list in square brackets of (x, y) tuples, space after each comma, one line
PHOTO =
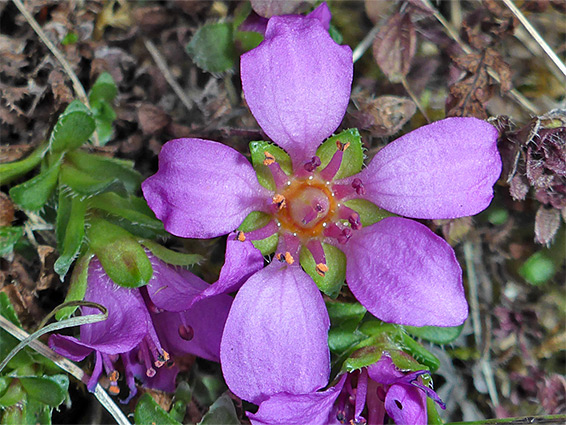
[(297, 84), (142, 335)]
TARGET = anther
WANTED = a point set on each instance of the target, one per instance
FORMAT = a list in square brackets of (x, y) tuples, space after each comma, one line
[(269, 159), (114, 376), (342, 146), (241, 236), (321, 269), (113, 389), (313, 164), (162, 359), (150, 372), (289, 258), (358, 186), (279, 200)]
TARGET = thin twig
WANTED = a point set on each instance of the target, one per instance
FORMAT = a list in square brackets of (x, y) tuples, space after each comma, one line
[(67, 366), (366, 42), (163, 67), (79, 89), (513, 93), (538, 38)]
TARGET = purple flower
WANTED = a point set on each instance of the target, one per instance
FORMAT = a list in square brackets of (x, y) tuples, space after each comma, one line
[(140, 334), (380, 388), (297, 84)]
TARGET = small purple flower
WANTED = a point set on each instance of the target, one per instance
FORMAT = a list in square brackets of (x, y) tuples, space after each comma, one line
[(139, 333), (381, 388)]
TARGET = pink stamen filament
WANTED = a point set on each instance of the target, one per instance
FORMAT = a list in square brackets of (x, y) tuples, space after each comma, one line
[(334, 232), (279, 176), (185, 331), (313, 164), (333, 166), (146, 360), (263, 232)]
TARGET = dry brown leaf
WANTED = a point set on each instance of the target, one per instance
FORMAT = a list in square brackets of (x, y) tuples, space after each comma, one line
[(395, 46), (382, 116), (6, 210)]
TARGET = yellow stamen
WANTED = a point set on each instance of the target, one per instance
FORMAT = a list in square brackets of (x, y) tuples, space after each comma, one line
[(321, 269), (241, 236), (269, 159), (342, 146), (279, 200), (289, 258)]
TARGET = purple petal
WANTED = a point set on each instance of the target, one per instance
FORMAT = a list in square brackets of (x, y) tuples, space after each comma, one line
[(203, 189), (176, 289), (446, 169), (297, 409), (406, 405), (69, 347), (275, 339), (173, 288), (384, 371), (127, 315), (206, 319), (297, 84), (322, 13), (97, 371), (163, 380), (403, 273)]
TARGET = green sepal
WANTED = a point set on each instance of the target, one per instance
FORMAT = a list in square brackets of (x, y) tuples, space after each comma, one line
[(432, 413), (436, 334), (380, 338), (7, 341), (119, 169), (345, 319), (4, 384), (74, 127), (334, 278), (149, 412), (222, 411), (70, 231), (13, 395), (247, 40), (34, 193), (77, 287), (264, 176), (212, 47), (50, 390), (335, 34), (103, 89), (12, 170), (256, 220), (368, 211), (353, 158), (171, 257), (421, 354), (7, 310), (131, 208), (124, 260), (9, 236)]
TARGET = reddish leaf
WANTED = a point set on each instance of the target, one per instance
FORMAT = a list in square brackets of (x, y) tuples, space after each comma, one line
[(395, 46)]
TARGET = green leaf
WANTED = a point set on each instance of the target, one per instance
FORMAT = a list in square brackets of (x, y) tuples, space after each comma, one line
[(149, 412), (84, 184), (335, 34), (369, 212), (33, 194), (132, 208), (256, 220), (333, 279), (77, 288), (7, 341), (12, 170), (27, 411), (342, 312), (14, 394), (50, 390), (104, 117), (7, 310), (222, 411), (172, 257), (70, 231), (70, 38), (74, 127), (9, 236), (103, 89), (264, 176), (247, 40), (538, 268), (432, 413), (436, 334), (353, 158), (121, 256), (212, 47), (421, 354), (111, 168)]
